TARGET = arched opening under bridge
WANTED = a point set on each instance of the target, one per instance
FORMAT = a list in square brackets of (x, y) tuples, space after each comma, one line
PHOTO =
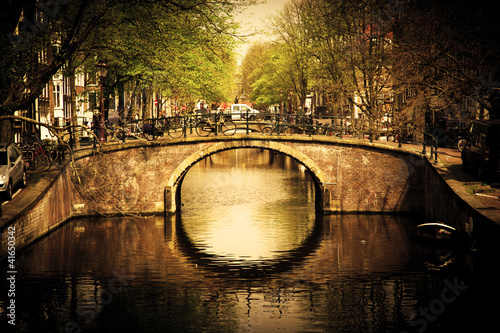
[(172, 190)]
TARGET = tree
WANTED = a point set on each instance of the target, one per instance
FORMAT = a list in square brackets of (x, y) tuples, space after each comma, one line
[(289, 26), (261, 75), (184, 52), (182, 45), (448, 53), (36, 39)]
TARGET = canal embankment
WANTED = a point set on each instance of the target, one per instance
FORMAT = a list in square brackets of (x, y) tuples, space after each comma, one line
[(443, 194)]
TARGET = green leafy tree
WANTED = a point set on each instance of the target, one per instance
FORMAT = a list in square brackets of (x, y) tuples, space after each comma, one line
[(186, 53), (289, 26)]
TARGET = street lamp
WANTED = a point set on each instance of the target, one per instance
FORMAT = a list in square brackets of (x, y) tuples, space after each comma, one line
[(102, 72)]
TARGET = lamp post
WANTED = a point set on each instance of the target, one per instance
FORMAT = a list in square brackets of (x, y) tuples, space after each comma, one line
[(102, 72)]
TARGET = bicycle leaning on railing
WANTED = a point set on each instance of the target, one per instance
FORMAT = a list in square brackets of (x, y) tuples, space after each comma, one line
[(214, 124), (173, 126), (276, 128), (128, 131)]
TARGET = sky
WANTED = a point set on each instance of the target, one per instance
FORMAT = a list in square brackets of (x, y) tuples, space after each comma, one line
[(254, 18)]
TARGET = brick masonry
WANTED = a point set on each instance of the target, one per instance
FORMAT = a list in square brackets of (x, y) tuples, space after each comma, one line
[(141, 178), (52, 208), (350, 178)]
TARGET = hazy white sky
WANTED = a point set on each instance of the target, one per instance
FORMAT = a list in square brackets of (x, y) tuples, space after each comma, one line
[(254, 19)]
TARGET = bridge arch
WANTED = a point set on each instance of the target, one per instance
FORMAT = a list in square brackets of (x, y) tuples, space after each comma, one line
[(172, 196)]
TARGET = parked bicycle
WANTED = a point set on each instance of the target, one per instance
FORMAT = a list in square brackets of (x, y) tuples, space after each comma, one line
[(174, 126), (215, 124), (276, 128), (159, 127), (152, 130), (128, 131), (58, 150), (36, 156)]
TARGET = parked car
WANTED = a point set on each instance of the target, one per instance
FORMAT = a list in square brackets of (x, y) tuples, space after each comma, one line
[(12, 169), (481, 152)]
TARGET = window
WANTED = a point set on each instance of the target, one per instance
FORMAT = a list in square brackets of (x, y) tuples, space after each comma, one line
[(3, 158), (57, 96), (14, 154), (92, 100)]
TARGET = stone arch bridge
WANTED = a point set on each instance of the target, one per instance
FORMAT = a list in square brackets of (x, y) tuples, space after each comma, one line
[(350, 175)]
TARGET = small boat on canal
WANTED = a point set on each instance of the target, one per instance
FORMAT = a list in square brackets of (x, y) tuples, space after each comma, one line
[(435, 232)]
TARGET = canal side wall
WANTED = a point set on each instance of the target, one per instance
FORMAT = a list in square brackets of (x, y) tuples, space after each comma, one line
[(142, 178), (52, 207)]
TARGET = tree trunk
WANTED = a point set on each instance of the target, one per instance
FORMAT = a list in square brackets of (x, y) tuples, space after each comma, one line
[(6, 132), (74, 114), (121, 100)]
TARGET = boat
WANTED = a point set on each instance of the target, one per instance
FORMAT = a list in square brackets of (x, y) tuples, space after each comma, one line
[(435, 231)]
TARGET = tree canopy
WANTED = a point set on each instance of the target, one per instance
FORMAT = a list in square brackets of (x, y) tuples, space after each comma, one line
[(184, 46), (364, 52)]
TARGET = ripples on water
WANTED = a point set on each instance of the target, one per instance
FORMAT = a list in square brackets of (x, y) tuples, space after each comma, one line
[(252, 215), (246, 254)]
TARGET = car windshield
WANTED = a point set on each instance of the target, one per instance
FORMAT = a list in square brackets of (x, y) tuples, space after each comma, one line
[(3, 158)]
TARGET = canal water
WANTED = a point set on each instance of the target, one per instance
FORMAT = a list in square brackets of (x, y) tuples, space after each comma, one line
[(249, 253)]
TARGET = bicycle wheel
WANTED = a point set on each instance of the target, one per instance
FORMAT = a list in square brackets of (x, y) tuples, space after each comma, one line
[(42, 163), (148, 136), (228, 128), (52, 151), (175, 129), (268, 130), (283, 129), (203, 128), (118, 134)]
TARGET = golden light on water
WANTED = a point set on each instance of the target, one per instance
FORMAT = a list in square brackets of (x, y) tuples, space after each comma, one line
[(229, 216)]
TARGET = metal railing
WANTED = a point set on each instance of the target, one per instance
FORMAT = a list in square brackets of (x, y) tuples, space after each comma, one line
[(305, 124)]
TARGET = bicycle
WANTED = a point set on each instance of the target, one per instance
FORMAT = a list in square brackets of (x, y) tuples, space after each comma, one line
[(215, 124), (152, 130), (128, 130), (58, 151), (276, 128), (36, 157), (174, 126), (158, 127)]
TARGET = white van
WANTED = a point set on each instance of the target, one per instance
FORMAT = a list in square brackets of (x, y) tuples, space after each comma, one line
[(239, 112)]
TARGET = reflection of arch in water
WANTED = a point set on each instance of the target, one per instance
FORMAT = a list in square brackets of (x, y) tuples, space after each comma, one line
[(250, 269)]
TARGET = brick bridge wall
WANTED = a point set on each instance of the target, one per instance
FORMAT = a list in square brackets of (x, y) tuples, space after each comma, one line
[(349, 178)]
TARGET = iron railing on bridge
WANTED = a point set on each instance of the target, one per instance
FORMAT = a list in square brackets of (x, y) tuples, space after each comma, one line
[(221, 124)]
